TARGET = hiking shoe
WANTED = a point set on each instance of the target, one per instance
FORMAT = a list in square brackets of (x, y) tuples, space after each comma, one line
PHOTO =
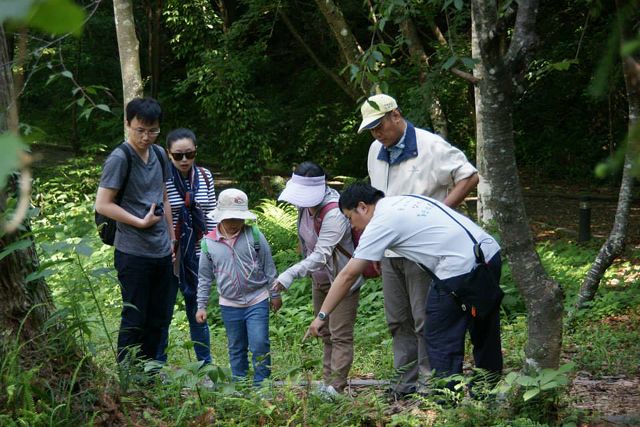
[(327, 392)]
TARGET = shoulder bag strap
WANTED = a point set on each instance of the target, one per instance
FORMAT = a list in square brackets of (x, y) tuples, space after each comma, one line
[(477, 251), (123, 147)]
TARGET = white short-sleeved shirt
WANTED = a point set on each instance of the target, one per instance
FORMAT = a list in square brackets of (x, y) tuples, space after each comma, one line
[(421, 232)]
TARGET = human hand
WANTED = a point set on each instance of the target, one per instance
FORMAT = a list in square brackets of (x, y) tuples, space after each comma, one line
[(276, 304), (201, 316), (277, 287), (314, 328), (174, 250), (150, 218)]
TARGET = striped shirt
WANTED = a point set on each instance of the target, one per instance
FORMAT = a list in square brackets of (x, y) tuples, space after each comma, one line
[(205, 197)]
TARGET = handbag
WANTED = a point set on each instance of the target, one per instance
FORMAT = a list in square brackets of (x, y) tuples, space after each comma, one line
[(478, 292)]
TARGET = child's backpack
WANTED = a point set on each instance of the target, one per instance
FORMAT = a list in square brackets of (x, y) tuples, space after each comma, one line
[(370, 271)]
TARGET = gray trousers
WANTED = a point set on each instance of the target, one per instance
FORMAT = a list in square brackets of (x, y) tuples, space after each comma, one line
[(337, 335), (405, 288)]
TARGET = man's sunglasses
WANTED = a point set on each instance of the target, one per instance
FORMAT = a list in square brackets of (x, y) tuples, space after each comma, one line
[(179, 156)]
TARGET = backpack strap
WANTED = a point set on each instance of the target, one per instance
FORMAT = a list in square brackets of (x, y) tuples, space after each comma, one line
[(255, 231), (319, 217), (127, 153), (317, 224), (204, 249), (206, 179), (158, 150)]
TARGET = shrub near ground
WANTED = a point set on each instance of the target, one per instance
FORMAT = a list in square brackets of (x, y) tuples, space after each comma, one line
[(79, 271)]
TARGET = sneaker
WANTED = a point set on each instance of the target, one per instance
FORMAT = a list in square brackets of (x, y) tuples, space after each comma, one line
[(327, 392), (207, 383)]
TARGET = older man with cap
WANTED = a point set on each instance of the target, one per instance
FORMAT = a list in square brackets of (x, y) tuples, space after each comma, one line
[(404, 159), (325, 240)]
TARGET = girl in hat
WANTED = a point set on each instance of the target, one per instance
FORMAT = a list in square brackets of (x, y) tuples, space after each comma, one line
[(238, 257)]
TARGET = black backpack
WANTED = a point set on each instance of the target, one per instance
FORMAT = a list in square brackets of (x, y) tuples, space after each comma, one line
[(107, 226)]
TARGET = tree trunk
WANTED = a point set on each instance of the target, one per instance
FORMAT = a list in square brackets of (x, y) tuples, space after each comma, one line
[(485, 215), (436, 113), (154, 11), (25, 305), (614, 245), (128, 48), (494, 103), (350, 49)]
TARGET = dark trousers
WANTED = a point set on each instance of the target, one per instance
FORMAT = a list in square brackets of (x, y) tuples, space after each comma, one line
[(200, 336), (446, 326), (145, 285)]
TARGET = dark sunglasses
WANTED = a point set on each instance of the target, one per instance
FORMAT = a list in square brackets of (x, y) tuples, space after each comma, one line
[(179, 156)]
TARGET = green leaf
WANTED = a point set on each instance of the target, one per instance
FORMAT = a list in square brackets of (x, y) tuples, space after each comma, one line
[(450, 62), (469, 63), (15, 246), (14, 9), (57, 17), (104, 107), (549, 385), (529, 394), (84, 250), (526, 381), (9, 160), (66, 73), (51, 78), (39, 274), (458, 4), (563, 65), (385, 48), (629, 48), (511, 377), (377, 56), (567, 367)]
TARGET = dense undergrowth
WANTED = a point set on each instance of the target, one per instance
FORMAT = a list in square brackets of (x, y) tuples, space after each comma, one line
[(78, 382)]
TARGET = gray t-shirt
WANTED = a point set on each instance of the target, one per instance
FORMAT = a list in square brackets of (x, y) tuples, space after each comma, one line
[(145, 186)]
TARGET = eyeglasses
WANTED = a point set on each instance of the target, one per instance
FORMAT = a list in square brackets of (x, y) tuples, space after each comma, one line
[(179, 156), (148, 132)]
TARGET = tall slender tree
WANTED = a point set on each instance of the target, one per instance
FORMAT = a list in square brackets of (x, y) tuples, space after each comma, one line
[(497, 166), (613, 246), (129, 50)]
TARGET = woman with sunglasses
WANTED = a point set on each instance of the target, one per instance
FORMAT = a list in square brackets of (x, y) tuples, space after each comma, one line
[(191, 196)]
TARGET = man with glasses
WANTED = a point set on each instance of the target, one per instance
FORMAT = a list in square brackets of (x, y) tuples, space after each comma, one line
[(143, 249), (404, 159)]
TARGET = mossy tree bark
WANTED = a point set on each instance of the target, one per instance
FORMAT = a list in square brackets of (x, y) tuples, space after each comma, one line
[(494, 108)]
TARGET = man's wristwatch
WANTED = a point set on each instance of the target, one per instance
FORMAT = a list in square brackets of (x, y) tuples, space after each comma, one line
[(323, 316)]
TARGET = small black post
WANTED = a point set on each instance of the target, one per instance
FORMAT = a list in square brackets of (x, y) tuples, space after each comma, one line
[(584, 227)]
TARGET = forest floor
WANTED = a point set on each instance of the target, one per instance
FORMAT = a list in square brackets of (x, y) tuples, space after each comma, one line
[(553, 209)]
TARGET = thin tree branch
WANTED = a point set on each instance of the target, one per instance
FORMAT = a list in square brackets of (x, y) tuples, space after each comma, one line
[(345, 88)]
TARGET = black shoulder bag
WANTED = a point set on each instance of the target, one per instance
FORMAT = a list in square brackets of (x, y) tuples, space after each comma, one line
[(479, 292)]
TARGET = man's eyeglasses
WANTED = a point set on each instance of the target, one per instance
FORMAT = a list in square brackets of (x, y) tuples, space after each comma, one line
[(179, 156), (148, 132)]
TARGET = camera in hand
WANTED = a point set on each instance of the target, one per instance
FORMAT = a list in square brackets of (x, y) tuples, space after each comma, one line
[(159, 210)]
